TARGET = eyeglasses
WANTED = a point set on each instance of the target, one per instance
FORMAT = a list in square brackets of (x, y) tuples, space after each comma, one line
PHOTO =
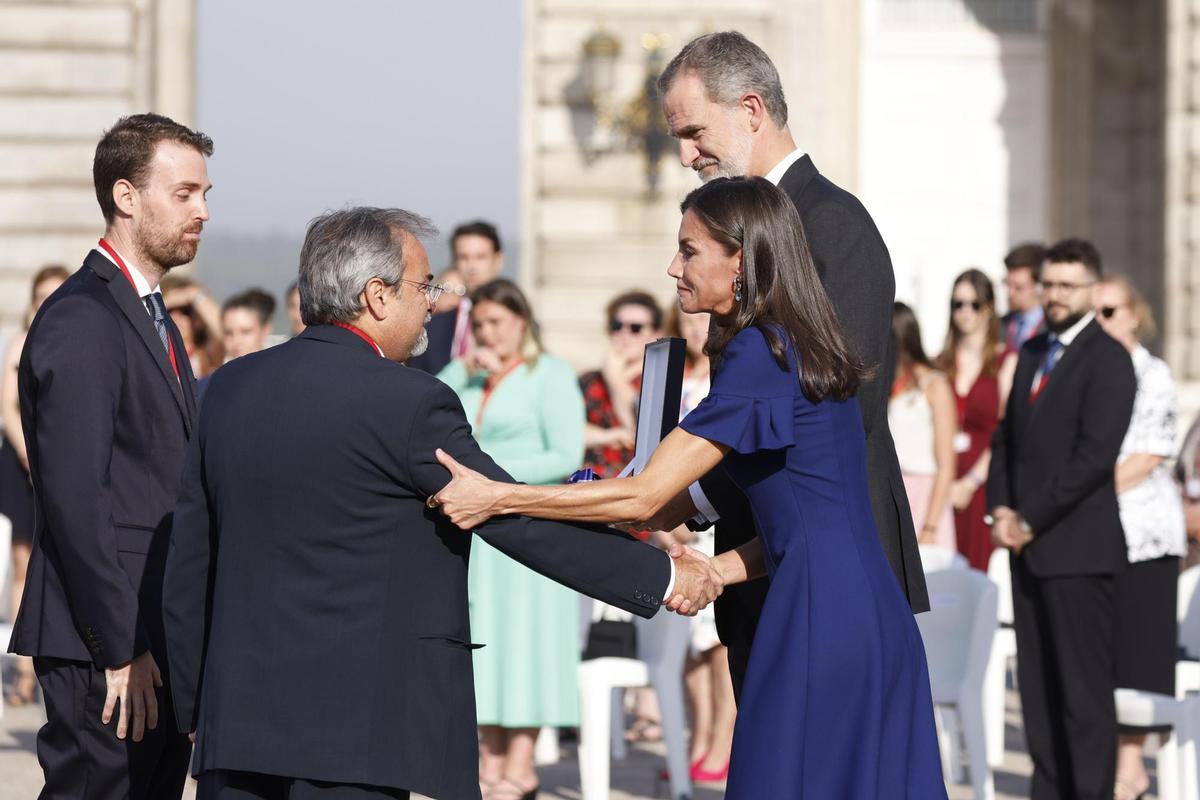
[(958, 305), (634, 327), (1050, 286), (432, 290)]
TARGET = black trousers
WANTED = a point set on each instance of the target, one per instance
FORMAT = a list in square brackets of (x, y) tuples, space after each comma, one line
[(224, 784), (83, 759), (1066, 674)]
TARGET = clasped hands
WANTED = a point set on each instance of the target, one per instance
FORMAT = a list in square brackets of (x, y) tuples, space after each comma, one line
[(1007, 531), (470, 499)]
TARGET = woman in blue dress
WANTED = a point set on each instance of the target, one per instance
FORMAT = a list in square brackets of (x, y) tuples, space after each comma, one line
[(836, 702)]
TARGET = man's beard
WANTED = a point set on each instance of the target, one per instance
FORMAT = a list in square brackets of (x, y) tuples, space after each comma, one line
[(420, 345), (735, 164), (1065, 323), (165, 247)]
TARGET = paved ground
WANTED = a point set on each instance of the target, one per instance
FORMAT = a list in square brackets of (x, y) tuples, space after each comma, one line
[(635, 778)]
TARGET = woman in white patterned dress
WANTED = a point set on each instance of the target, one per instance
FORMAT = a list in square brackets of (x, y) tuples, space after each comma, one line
[(1145, 632)]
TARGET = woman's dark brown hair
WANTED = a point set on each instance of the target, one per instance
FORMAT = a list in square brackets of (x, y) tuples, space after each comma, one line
[(506, 293), (907, 333), (781, 288), (947, 361)]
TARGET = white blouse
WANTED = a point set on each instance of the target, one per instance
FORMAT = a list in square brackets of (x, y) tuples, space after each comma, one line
[(1151, 512)]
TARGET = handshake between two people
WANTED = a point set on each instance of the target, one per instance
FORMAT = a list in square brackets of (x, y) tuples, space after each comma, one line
[(470, 499)]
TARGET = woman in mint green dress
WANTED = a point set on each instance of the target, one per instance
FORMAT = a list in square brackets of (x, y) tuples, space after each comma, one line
[(528, 415)]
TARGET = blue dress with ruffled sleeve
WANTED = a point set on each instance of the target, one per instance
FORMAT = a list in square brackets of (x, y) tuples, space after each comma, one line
[(836, 701)]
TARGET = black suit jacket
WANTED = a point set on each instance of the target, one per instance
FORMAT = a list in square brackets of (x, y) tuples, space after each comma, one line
[(856, 271), (106, 425), (316, 611), (441, 340), (1053, 460)]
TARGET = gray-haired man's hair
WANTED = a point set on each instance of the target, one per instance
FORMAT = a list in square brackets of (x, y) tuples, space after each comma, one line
[(345, 249), (729, 65)]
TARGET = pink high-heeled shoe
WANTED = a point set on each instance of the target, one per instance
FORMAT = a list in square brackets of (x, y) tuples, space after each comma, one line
[(702, 775)]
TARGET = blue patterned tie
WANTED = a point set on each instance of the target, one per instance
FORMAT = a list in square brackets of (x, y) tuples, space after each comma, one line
[(154, 304)]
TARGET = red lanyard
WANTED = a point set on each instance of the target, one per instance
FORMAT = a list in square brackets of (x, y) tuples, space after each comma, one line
[(360, 333), (108, 248)]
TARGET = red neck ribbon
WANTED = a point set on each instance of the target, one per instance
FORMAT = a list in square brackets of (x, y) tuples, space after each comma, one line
[(360, 333), (108, 248)]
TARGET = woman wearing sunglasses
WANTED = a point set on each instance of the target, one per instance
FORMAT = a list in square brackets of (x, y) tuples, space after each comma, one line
[(1152, 517), (981, 370)]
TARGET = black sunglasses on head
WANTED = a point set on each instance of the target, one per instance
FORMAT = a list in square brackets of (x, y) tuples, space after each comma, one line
[(634, 327), (956, 305)]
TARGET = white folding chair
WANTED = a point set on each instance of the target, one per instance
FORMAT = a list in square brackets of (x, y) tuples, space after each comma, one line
[(1176, 762), (1187, 672), (935, 558), (1003, 658), (958, 632), (662, 648)]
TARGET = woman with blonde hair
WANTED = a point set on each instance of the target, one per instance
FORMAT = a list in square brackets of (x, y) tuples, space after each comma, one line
[(16, 493), (980, 369), (527, 413), (1152, 516)]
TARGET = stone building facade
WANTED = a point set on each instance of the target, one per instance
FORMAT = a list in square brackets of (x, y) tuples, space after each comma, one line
[(966, 126), (68, 70)]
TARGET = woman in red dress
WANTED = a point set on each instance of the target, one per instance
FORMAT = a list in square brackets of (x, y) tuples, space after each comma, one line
[(981, 370)]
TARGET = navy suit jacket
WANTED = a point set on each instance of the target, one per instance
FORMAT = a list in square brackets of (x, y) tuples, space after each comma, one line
[(316, 610), (106, 425)]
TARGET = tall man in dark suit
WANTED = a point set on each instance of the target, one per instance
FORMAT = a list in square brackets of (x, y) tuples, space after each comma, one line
[(107, 405), (724, 103), (316, 608), (478, 258), (1054, 505)]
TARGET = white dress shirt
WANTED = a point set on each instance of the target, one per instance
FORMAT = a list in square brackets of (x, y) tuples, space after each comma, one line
[(140, 284), (1066, 337)]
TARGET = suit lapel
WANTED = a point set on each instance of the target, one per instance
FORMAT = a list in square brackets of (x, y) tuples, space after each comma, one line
[(131, 306), (1072, 355), (797, 178)]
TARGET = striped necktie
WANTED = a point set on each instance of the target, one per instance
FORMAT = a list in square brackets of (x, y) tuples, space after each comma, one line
[(154, 304)]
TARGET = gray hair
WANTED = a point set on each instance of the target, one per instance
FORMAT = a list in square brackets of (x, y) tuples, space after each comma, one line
[(729, 65), (345, 249)]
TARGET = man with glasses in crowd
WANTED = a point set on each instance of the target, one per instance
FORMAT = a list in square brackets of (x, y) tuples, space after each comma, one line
[(1053, 504), (478, 258)]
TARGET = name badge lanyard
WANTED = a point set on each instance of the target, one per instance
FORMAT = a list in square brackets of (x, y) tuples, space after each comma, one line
[(108, 248)]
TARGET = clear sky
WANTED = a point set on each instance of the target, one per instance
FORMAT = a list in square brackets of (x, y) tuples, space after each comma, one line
[(317, 105)]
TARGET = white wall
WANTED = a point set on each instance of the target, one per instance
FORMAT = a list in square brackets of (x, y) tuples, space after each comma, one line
[(952, 151)]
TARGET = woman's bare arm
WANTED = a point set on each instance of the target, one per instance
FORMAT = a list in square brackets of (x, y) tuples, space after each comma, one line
[(470, 499), (10, 405)]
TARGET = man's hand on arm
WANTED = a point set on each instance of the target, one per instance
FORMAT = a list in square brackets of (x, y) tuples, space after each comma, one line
[(697, 581), (131, 685)]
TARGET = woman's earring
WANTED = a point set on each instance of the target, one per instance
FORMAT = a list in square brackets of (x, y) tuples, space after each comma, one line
[(737, 288)]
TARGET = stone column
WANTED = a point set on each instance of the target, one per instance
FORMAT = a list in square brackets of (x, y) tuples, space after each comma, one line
[(67, 72)]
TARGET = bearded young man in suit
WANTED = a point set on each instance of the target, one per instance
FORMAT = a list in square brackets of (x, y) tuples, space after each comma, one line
[(107, 405), (316, 608), (724, 103), (1051, 488)]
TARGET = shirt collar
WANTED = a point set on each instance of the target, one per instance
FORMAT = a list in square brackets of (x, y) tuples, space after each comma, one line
[(1031, 315), (779, 170), (1068, 336), (139, 280)]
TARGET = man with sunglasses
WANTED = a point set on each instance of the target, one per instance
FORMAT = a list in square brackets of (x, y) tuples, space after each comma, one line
[(1053, 504), (478, 258)]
